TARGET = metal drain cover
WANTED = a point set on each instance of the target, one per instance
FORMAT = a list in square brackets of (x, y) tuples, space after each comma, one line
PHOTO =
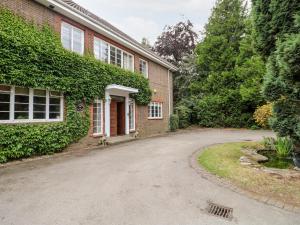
[(220, 211)]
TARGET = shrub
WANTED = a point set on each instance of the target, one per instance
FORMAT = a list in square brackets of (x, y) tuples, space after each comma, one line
[(184, 114), (262, 115), (283, 146), (174, 122), (269, 143)]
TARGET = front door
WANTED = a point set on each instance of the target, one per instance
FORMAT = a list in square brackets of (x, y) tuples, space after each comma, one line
[(117, 116)]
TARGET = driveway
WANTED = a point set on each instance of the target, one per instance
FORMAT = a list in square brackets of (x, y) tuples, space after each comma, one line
[(146, 182)]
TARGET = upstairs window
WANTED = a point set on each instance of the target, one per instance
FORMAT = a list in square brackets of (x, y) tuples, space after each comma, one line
[(19, 104), (101, 50), (128, 61), (144, 68), (155, 110), (72, 38), (115, 56)]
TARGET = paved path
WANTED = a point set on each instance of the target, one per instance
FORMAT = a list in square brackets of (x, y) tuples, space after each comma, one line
[(147, 182)]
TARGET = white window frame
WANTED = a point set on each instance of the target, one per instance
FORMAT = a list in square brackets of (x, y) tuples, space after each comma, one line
[(101, 118), (147, 68), (72, 30), (31, 120), (155, 104), (122, 52), (108, 49), (131, 101)]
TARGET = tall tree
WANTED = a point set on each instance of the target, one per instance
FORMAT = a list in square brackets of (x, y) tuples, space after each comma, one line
[(277, 25), (176, 41), (225, 91), (273, 19)]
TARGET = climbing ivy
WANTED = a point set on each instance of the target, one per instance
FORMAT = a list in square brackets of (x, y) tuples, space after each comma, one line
[(32, 56)]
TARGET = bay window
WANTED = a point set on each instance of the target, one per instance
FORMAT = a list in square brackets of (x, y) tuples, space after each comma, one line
[(72, 38), (19, 104), (155, 110)]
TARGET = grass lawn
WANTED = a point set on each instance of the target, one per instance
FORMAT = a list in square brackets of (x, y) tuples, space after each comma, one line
[(223, 160)]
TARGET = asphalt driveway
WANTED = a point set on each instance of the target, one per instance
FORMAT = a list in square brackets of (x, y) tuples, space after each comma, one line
[(146, 182)]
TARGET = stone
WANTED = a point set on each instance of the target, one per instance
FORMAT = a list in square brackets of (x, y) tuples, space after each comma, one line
[(245, 161)]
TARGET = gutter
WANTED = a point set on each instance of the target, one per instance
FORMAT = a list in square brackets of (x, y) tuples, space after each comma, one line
[(67, 10)]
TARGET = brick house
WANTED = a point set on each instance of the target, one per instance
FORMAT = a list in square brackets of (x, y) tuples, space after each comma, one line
[(83, 32)]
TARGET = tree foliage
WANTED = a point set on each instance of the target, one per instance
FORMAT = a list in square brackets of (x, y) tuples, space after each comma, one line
[(176, 42), (277, 27), (226, 88)]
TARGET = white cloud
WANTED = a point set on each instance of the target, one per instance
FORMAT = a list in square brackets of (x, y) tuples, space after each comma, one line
[(138, 28)]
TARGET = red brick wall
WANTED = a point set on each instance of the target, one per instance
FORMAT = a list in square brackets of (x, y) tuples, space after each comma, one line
[(158, 75)]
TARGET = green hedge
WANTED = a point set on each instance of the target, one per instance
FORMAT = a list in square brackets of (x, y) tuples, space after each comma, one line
[(31, 56)]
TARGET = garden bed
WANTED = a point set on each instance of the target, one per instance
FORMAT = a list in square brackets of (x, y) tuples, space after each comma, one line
[(280, 184)]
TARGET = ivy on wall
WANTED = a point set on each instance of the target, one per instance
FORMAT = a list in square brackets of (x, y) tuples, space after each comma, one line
[(34, 57)]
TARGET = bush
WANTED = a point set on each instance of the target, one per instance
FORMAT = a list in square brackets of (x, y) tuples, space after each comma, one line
[(262, 115), (283, 146), (269, 143), (174, 122), (184, 114)]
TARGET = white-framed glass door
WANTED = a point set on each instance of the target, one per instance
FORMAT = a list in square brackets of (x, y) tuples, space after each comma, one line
[(131, 115), (97, 117)]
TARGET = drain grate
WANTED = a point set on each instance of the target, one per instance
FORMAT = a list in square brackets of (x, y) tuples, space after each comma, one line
[(220, 211)]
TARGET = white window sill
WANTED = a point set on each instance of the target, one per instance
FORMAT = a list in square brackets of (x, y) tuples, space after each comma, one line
[(29, 121)]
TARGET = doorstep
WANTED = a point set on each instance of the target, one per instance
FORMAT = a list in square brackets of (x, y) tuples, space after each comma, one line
[(119, 139)]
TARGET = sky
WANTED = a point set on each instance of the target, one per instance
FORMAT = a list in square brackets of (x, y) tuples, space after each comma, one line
[(147, 18)]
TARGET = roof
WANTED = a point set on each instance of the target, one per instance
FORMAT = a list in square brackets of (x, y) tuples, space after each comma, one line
[(109, 27)]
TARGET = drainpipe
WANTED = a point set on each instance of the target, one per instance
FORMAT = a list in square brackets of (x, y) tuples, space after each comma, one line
[(169, 92)]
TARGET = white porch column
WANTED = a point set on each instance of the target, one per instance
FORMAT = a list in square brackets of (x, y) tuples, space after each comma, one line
[(127, 114), (107, 114)]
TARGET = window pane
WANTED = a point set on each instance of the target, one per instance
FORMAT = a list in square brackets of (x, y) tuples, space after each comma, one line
[(112, 55), (39, 108), (21, 99), (4, 88), (54, 100), (4, 115), (54, 108), (40, 92), (54, 116), (39, 115), (119, 57), (97, 113), (39, 100), (21, 91), (66, 32), (97, 48), (77, 40), (21, 107), (4, 106), (4, 97), (21, 115), (104, 51), (55, 93)]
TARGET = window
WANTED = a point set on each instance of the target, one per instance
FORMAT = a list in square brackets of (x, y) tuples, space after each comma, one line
[(155, 110), (127, 61), (72, 38), (144, 68), (19, 104), (97, 117), (5, 102), (101, 50), (131, 115), (113, 55)]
